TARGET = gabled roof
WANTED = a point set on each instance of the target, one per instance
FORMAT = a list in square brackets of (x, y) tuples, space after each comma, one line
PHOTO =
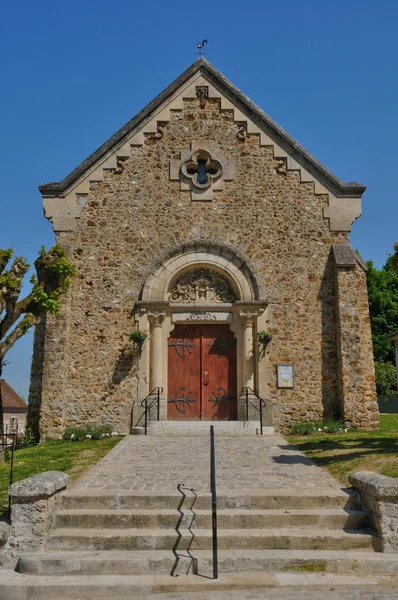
[(260, 118), (10, 397)]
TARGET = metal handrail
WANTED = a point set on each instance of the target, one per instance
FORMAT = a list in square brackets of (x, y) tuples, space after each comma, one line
[(262, 402), (157, 391), (4, 437), (213, 502)]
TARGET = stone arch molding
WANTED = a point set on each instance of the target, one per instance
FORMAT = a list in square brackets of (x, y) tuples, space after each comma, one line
[(230, 265)]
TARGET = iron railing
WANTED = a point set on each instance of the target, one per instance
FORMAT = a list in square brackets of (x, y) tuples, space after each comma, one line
[(148, 403), (248, 391), (10, 430), (213, 502), (8, 441)]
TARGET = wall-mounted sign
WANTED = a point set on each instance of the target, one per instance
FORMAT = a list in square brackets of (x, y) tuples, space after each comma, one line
[(285, 376)]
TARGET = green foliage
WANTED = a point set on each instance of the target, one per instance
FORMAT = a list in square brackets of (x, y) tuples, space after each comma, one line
[(264, 337), (48, 300), (28, 439), (5, 255), (62, 266), (72, 458), (10, 282), (43, 293), (383, 306), (27, 324), (138, 337), (394, 259), (386, 378), (88, 432), (355, 450), (319, 427)]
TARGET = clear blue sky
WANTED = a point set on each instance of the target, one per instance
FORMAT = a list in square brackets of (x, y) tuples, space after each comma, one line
[(73, 72)]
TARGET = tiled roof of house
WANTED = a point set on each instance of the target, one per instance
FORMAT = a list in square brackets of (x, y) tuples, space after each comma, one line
[(11, 398)]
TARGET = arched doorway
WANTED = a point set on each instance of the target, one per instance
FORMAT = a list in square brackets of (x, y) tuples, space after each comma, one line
[(202, 305)]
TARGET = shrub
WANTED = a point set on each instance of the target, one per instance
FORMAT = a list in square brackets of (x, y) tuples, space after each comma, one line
[(28, 438), (386, 378), (88, 432), (316, 427)]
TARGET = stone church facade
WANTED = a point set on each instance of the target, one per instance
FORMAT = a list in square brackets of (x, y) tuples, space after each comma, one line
[(200, 224)]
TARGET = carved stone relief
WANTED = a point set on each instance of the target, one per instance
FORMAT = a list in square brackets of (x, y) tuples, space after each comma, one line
[(201, 286), (202, 171), (156, 318)]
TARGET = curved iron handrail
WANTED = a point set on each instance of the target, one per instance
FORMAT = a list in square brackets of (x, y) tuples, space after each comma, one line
[(156, 391), (261, 402)]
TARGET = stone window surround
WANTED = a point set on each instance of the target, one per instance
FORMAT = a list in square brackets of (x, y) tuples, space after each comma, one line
[(155, 313)]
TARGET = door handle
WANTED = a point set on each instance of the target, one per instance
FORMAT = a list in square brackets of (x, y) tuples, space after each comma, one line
[(205, 377)]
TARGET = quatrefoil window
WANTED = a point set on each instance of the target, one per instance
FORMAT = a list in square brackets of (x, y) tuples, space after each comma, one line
[(202, 169)]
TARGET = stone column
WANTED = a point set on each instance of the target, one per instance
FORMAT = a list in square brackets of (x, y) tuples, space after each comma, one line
[(156, 319), (248, 319)]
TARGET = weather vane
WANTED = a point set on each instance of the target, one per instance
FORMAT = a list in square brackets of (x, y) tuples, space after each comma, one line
[(200, 46)]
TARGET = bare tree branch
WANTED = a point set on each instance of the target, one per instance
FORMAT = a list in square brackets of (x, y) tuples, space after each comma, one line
[(23, 326)]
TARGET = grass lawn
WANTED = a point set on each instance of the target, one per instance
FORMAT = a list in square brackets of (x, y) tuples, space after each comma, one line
[(343, 453), (74, 458)]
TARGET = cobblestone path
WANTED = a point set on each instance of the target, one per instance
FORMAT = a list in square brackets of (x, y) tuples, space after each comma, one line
[(160, 463)]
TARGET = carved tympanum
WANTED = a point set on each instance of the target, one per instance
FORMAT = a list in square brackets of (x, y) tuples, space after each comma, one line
[(201, 285)]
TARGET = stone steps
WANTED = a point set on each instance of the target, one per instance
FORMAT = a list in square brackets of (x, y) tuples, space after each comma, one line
[(278, 538), (135, 562), (226, 499), (331, 518), (201, 428), (14, 586), (128, 542)]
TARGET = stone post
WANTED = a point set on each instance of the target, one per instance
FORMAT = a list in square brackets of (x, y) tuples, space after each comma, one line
[(357, 389), (248, 319), (34, 501), (379, 496), (156, 319)]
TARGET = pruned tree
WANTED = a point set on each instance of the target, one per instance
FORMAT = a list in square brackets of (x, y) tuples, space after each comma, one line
[(18, 315)]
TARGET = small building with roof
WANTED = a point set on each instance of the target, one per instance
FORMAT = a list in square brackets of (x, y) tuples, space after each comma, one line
[(15, 408)]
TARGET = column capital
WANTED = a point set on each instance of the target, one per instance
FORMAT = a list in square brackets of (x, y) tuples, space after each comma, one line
[(248, 317), (156, 317)]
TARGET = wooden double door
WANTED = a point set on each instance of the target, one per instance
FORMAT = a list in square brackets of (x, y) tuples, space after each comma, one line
[(202, 373)]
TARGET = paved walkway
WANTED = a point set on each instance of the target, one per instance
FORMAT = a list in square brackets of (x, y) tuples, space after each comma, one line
[(160, 463), (269, 463)]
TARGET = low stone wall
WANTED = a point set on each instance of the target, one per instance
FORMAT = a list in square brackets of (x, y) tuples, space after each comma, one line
[(4, 532), (379, 495), (34, 501)]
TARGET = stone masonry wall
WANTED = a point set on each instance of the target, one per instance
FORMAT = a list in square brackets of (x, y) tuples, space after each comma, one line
[(136, 214)]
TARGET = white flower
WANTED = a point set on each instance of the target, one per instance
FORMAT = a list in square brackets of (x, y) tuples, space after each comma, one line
[(319, 429), (345, 430), (88, 436), (72, 436)]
